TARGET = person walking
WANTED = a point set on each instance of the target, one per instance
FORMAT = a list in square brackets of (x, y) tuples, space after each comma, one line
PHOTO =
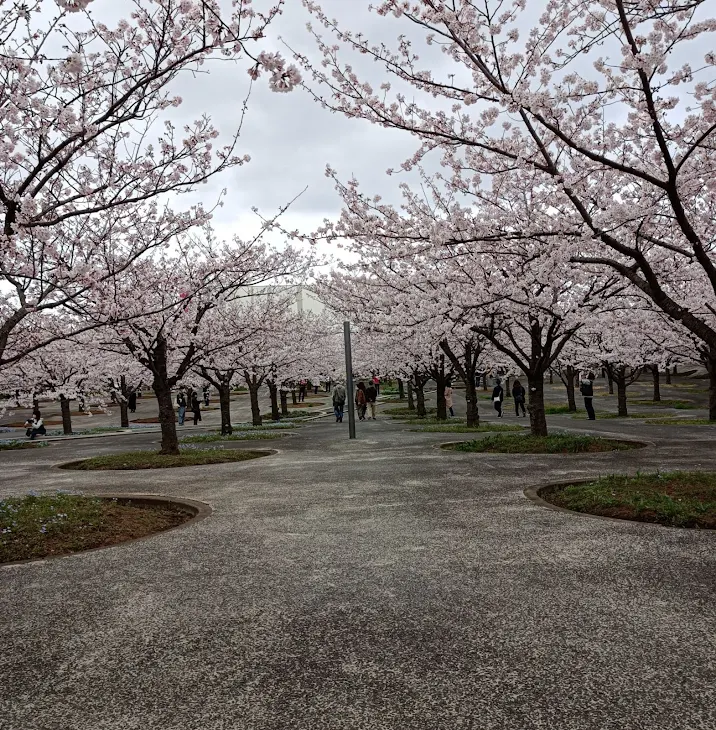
[(586, 388), (448, 398), (361, 401), (518, 393), (132, 401), (371, 395), (498, 395), (339, 402), (181, 403), (376, 385), (195, 408), (302, 391)]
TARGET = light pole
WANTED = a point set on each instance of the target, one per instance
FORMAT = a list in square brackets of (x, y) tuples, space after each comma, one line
[(349, 381)]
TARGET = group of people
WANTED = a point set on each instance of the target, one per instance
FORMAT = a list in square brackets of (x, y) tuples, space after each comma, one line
[(518, 395), (365, 398), (193, 402)]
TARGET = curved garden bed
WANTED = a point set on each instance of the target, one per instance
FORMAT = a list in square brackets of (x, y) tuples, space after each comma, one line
[(152, 460), (36, 526), (555, 444), (674, 499)]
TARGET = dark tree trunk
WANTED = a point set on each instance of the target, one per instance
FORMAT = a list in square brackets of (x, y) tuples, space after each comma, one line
[(124, 414), (225, 407), (676, 372), (484, 381), (438, 373), (667, 372), (401, 389), (710, 362), (619, 377), (293, 395), (508, 392), (255, 410), (66, 415), (610, 380), (466, 367), (473, 413), (657, 384), (167, 416), (284, 402), (420, 397), (538, 419), (273, 393), (551, 377), (570, 375), (411, 400)]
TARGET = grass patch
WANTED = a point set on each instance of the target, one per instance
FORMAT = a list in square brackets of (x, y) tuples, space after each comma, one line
[(680, 422), (552, 409), (36, 526), (15, 445), (667, 403), (442, 427), (602, 415), (266, 426), (303, 404), (678, 499), (153, 460), (298, 414), (555, 444), (236, 436), (406, 411)]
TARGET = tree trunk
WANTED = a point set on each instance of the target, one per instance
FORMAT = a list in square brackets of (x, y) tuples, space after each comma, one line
[(570, 375), (66, 415), (551, 377), (508, 392), (284, 402), (621, 394), (420, 397), (440, 383), (538, 419), (167, 417), (473, 414), (668, 376), (610, 380), (255, 410), (123, 404), (293, 395), (225, 407), (657, 384), (411, 400), (401, 390), (273, 393)]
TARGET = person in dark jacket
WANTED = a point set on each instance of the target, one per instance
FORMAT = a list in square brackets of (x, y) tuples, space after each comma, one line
[(361, 401), (181, 404), (586, 388), (195, 408), (132, 401), (371, 395), (498, 395), (518, 393)]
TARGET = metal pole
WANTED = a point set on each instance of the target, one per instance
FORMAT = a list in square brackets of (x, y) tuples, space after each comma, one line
[(349, 381)]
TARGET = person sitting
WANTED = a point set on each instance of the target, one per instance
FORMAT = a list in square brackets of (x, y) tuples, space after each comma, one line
[(35, 426)]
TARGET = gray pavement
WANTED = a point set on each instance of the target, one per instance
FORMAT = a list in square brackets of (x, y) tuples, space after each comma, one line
[(375, 584)]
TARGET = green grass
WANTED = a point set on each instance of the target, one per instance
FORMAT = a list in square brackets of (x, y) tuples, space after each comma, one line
[(15, 445), (236, 436), (153, 460), (300, 414), (603, 415), (528, 444), (443, 427), (552, 409), (679, 499), (266, 426), (666, 403), (680, 422), (406, 411), (36, 526)]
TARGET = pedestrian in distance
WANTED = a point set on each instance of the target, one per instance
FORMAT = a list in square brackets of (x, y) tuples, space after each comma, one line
[(132, 401), (448, 398), (195, 408), (302, 391), (586, 388), (361, 401), (181, 404), (376, 385), (35, 425), (518, 393), (498, 395), (339, 402), (205, 390), (371, 395)]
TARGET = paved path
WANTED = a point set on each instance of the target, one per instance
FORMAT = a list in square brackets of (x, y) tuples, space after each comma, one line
[(368, 585)]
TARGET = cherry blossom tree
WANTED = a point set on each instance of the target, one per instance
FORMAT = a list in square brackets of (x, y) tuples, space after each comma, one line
[(88, 146), (601, 114)]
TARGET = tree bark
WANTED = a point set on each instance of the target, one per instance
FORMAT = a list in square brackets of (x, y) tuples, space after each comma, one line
[(411, 399), (123, 404), (472, 410), (551, 377), (668, 376), (284, 402), (438, 373), (401, 389), (484, 381), (657, 384), (610, 380), (255, 410), (225, 407), (420, 397), (66, 415), (508, 392), (293, 395), (167, 416), (619, 377), (538, 418), (570, 375), (273, 393)]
